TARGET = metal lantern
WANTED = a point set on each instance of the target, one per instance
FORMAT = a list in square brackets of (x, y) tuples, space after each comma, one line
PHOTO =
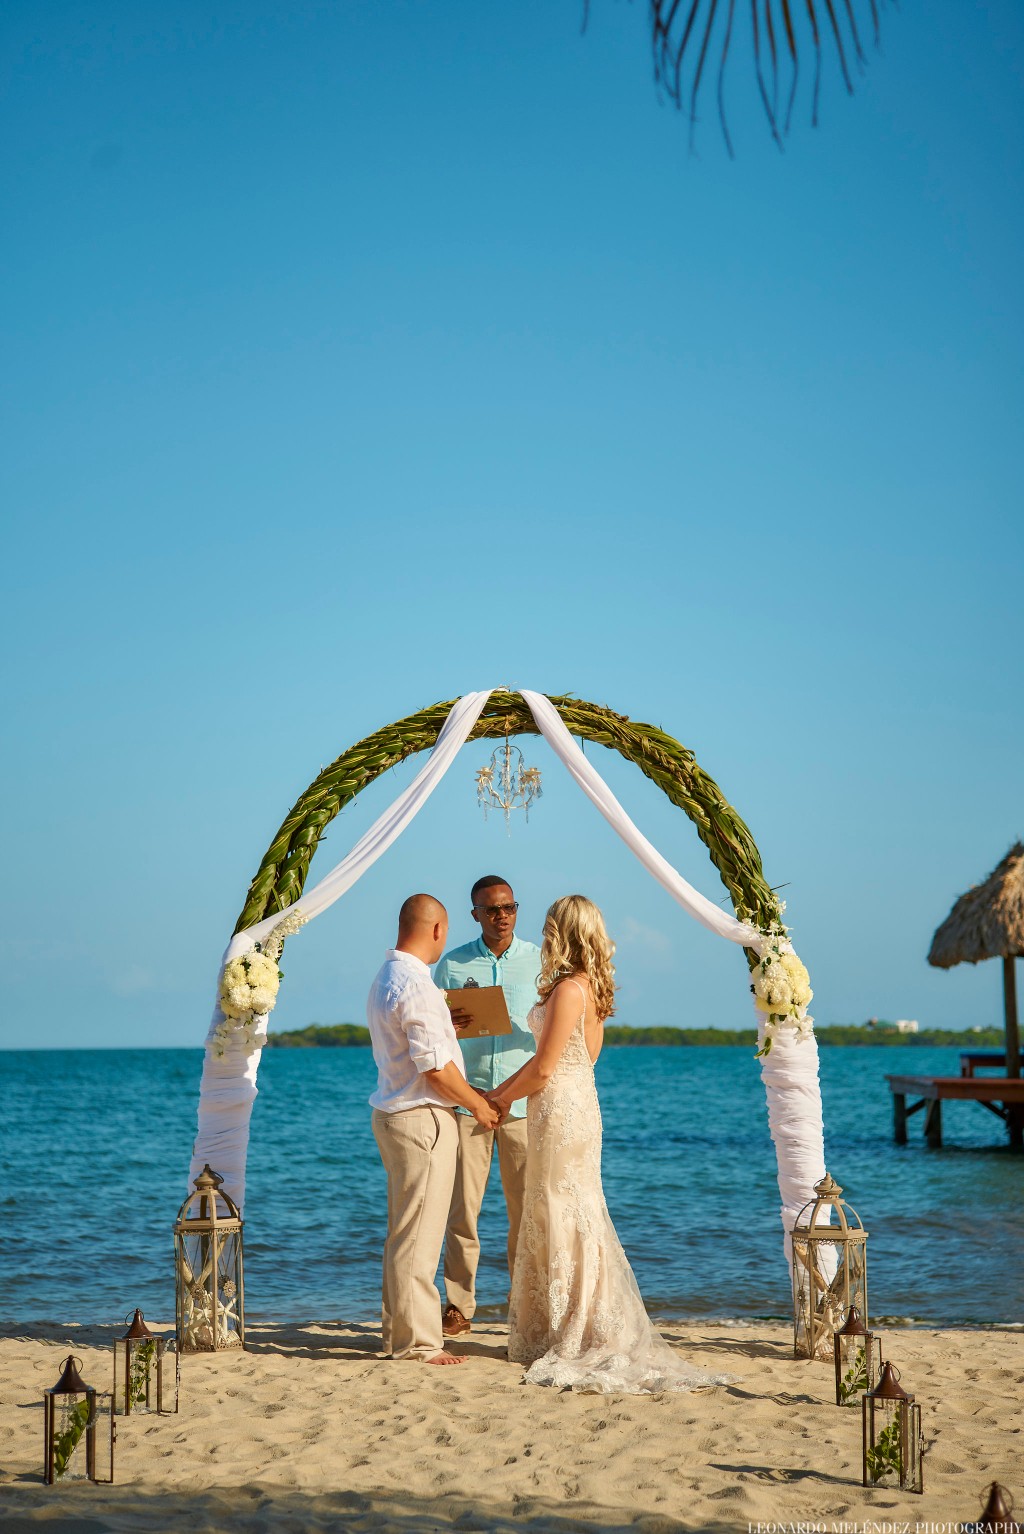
[(830, 1273), (208, 1269), (997, 1514), (893, 1451), (139, 1371), (78, 1429), (858, 1359)]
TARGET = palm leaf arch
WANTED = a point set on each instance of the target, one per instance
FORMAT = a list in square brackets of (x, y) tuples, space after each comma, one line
[(281, 876)]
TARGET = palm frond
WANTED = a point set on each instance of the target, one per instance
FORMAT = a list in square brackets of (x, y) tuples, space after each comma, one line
[(682, 33)]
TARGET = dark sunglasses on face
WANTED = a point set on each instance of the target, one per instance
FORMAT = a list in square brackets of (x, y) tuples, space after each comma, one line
[(494, 911)]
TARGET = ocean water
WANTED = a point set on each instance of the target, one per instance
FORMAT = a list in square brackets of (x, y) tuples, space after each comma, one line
[(94, 1153)]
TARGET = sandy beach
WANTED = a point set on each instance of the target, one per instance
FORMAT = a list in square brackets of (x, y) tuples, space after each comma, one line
[(310, 1429)]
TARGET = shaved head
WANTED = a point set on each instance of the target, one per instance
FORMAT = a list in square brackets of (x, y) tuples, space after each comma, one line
[(423, 927), (420, 911)]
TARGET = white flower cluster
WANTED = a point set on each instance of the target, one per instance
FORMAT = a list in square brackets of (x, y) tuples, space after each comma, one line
[(249, 985), (285, 927), (782, 991), (248, 991)]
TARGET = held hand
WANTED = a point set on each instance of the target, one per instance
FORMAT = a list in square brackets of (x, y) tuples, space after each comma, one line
[(486, 1114), (503, 1107), (460, 1019)]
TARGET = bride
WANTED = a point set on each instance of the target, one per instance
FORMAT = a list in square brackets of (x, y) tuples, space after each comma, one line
[(576, 1316)]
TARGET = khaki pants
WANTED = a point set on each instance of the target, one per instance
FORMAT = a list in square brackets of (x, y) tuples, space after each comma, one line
[(418, 1148), (462, 1243)]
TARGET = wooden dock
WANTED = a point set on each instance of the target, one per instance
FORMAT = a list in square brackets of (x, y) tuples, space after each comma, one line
[(1001, 1095), (972, 1060)]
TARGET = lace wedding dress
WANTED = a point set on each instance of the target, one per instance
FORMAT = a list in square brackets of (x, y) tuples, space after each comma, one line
[(576, 1316)]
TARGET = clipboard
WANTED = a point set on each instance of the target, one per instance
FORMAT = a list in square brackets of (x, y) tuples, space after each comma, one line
[(487, 1007)]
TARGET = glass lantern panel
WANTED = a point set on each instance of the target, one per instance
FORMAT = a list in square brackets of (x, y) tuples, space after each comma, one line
[(141, 1375), (196, 1281), (802, 1307), (912, 1467), (71, 1419), (848, 1278), (885, 1448), (228, 1296), (103, 1438), (856, 1371), (820, 1310)]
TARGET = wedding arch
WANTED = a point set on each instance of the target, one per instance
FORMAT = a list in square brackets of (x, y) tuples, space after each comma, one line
[(278, 904)]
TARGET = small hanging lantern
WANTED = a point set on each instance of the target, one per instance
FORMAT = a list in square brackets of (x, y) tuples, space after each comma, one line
[(830, 1273), (893, 1451), (209, 1286), (139, 1371), (997, 1514), (78, 1429), (858, 1359)]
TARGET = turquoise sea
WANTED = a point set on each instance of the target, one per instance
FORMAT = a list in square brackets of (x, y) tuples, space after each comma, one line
[(94, 1152)]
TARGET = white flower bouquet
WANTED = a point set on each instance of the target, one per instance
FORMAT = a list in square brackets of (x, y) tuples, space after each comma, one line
[(782, 990), (249, 985)]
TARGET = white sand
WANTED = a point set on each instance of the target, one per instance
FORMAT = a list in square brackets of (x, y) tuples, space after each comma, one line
[(310, 1430)]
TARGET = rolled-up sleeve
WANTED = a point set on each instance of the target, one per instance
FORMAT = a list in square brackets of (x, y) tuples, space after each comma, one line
[(424, 1017)]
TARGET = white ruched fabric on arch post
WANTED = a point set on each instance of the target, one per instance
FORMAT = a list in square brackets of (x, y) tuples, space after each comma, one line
[(789, 1072)]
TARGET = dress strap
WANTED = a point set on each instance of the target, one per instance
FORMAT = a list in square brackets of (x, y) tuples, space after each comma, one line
[(581, 991)]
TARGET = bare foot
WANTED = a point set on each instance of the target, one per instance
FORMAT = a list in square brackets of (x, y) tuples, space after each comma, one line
[(444, 1358)]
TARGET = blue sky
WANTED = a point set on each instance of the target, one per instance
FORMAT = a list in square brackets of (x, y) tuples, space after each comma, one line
[(359, 355)]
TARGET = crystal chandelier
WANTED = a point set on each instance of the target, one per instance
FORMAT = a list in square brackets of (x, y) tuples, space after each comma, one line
[(506, 784)]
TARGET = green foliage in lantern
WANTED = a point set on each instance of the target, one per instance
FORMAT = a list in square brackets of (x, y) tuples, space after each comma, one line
[(65, 1443), (886, 1456), (855, 1379), (138, 1372)]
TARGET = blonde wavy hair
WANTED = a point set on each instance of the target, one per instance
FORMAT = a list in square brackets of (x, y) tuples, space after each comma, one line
[(576, 943)]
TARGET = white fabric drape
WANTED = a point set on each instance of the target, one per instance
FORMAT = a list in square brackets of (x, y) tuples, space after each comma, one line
[(550, 724), (228, 1086), (387, 828), (789, 1072)]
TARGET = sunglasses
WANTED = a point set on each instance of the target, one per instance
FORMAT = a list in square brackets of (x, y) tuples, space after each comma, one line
[(494, 911)]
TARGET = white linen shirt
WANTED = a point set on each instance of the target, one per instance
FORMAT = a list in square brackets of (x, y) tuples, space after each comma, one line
[(411, 1032)]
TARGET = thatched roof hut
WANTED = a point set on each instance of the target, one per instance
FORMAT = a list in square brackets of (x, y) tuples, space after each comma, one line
[(988, 923)]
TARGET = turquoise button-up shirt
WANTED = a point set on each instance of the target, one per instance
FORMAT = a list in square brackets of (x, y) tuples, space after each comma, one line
[(489, 1062)]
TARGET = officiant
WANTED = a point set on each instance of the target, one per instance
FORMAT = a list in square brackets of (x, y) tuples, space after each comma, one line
[(496, 957)]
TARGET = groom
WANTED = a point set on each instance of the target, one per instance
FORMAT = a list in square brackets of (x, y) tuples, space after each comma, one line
[(497, 957), (419, 1079)]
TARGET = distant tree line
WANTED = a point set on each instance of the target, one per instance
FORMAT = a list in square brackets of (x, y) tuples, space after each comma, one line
[(347, 1035), (320, 1036)]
